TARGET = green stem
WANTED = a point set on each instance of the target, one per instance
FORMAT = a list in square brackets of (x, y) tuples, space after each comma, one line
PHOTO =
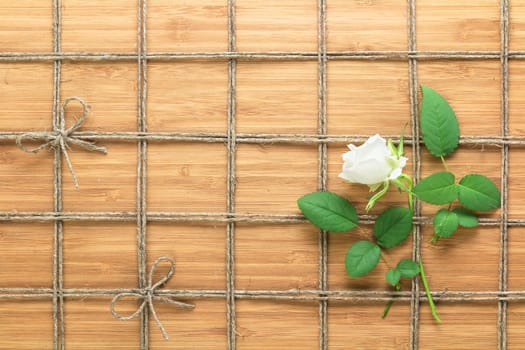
[(377, 196), (427, 292), (444, 163), (390, 303), (408, 187), (385, 260), (387, 308)]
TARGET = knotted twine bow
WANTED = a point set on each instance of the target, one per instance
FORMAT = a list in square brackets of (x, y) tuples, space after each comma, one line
[(148, 295), (62, 137)]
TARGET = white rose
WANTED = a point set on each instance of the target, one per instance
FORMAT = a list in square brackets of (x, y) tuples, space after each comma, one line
[(372, 163)]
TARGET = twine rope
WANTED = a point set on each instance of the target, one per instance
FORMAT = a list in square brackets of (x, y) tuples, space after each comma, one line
[(322, 172), (232, 138), (231, 146), (62, 137), (504, 116), (142, 152), (149, 294), (416, 170)]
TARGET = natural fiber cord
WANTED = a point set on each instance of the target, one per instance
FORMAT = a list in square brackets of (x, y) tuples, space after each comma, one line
[(147, 292)]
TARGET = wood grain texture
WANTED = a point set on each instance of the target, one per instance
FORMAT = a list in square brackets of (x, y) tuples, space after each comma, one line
[(89, 324), (359, 325), (112, 107), (294, 253), (517, 25), (469, 260), (277, 325), (277, 97), (198, 251), (458, 25), (27, 256), (26, 26), (367, 25), (99, 26), (465, 327), (276, 25), (201, 328), (367, 97), (26, 324), (516, 97), (187, 177), (516, 259), (516, 321), (177, 101), (102, 255), (363, 97), (26, 180), (187, 26), (26, 96), (270, 178)]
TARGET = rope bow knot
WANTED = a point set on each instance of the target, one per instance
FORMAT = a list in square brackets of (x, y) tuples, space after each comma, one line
[(148, 295), (61, 138)]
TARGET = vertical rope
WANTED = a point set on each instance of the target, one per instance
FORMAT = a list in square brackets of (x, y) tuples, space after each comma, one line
[(503, 262), (58, 234), (322, 162), (231, 182), (142, 164), (416, 168)]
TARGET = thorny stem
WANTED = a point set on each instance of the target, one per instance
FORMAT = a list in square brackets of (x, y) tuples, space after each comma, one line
[(427, 292)]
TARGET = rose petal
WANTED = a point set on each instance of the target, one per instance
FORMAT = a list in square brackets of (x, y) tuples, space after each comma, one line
[(369, 172), (398, 170)]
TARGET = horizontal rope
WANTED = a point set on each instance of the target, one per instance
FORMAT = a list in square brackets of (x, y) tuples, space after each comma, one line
[(225, 56), (292, 294), (206, 217), (262, 138)]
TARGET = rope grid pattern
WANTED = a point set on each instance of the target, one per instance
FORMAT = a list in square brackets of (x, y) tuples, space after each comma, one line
[(322, 295)]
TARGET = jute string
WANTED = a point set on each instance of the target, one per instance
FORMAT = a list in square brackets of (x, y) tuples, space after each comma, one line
[(322, 175), (147, 292), (262, 56), (58, 230), (416, 170), (148, 295), (61, 138), (231, 146), (503, 263), (142, 152)]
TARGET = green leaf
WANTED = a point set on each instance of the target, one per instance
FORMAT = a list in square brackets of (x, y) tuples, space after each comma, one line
[(328, 211), (392, 277), (445, 223), (438, 123), (438, 188), (393, 226), (478, 192), (361, 258), (465, 217), (408, 268)]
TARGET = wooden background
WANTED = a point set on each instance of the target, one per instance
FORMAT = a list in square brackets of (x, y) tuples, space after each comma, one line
[(364, 97)]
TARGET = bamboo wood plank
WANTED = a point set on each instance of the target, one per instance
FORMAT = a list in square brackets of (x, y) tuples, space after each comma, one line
[(364, 97)]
